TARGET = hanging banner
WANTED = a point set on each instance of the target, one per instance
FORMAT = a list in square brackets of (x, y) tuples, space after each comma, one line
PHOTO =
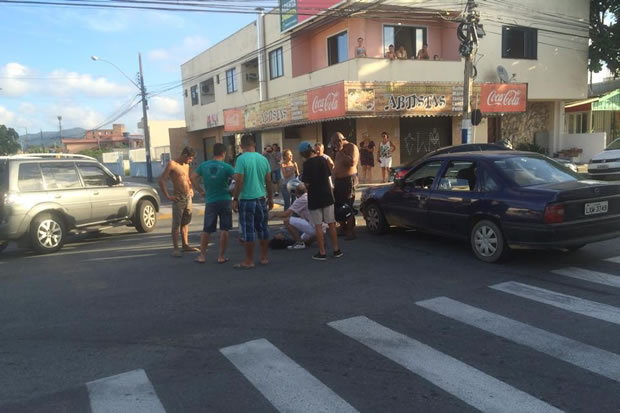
[(503, 97), (326, 102), (405, 98), (233, 120)]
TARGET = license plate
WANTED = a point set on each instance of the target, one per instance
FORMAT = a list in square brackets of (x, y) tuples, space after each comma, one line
[(593, 208)]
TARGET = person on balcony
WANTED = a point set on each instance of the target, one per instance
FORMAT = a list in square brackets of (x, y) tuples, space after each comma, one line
[(390, 53), (423, 53), (401, 53), (360, 51)]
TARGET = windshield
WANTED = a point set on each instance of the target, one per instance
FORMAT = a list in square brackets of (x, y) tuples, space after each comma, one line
[(614, 145), (529, 171)]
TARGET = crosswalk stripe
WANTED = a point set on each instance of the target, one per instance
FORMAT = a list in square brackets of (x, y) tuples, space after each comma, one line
[(614, 260), (591, 276), (474, 387), (288, 386), (566, 302), (126, 392), (580, 354)]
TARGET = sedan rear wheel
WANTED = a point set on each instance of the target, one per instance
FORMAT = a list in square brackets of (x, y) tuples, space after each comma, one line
[(487, 241), (375, 221)]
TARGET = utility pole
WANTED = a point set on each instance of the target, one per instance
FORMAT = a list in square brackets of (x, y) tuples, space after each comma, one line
[(42, 144), (60, 128), (145, 125), (468, 33)]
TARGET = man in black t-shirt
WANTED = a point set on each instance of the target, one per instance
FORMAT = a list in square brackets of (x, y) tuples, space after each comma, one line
[(316, 175)]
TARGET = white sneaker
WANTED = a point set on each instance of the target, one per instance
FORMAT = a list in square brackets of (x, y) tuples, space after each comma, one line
[(297, 246)]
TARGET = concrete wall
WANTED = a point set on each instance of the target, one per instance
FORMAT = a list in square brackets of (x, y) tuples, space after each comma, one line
[(159, 131), (591, 143)]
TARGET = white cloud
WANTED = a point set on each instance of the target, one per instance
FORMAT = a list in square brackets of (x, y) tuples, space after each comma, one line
[(19, 80), (165, 108), (6, 117), (64, 83), (28, 108), (107, 21), (76, 116), (174, 56), (12, 85)]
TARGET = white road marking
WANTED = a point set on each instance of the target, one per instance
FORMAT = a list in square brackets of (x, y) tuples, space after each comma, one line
[(126, 392), (566, 302), (591, 276), (614, 260), (580, 354), (117, 249), (119, 257), (288, 386), (474, 387)]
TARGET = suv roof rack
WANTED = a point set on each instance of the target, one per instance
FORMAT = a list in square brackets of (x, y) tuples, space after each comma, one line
[(52, 156)]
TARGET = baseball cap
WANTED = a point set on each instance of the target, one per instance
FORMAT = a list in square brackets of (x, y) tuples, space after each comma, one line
[(305, 146)]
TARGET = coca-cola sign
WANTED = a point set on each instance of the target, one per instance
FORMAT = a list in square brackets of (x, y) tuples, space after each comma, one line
[(503, 97), (326, 102)]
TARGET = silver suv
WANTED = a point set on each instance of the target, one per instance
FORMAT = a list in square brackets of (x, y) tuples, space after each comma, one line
[(44, 196)]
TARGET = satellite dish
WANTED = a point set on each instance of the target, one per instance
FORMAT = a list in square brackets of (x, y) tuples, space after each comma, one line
[(503, 74)]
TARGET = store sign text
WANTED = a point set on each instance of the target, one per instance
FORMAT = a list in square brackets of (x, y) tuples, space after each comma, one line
[(415, 101), (326, 102), (503, 97), (273, 116)]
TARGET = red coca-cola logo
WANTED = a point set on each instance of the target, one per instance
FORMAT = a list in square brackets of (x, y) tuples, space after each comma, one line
[(508, 98), (326, 103)]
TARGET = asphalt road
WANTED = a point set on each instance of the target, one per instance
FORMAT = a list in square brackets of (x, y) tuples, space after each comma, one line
[(113, 323)]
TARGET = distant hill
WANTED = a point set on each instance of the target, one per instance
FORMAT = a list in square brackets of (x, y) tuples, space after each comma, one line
[(51, 137)]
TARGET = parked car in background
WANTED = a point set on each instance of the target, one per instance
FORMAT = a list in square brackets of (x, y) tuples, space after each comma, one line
[(497, 200), (606, 165), (401, 170), (570, 165), (44, 196)]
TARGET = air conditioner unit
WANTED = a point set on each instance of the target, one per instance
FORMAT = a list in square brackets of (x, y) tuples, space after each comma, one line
[(206, 89), (252, 77)]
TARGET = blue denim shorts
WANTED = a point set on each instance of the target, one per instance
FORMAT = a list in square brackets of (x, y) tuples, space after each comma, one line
[(213, 210), (253, 219)]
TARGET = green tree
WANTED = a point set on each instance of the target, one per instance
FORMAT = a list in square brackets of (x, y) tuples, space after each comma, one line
[(605, 36), (9, 141)]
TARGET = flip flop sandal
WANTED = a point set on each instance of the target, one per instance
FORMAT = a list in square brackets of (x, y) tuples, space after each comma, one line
[(242, 267), (197, 261), (222, 262)]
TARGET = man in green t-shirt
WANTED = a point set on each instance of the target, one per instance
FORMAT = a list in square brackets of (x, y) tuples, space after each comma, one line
[(216, 175), (252, 183)]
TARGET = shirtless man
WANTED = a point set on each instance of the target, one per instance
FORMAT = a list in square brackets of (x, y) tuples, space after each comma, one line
[(346, 158), (178, 171)]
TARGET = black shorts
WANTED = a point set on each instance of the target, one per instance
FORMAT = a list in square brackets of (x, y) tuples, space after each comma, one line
[(344, 190)]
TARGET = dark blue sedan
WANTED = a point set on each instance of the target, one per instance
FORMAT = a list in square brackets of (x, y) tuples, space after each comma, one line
[(496, 201)]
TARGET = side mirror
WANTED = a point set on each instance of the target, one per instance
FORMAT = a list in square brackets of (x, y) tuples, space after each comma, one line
[(119, 179)]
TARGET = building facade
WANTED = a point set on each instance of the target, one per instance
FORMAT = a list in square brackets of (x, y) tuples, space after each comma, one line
[(290, 76)]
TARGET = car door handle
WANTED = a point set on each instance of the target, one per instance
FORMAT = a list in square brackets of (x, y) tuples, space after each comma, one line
[(95, 193), (57, 196)]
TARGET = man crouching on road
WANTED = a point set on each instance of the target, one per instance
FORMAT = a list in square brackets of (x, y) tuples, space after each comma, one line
[(299, 226), (252, 183), (178, 171)]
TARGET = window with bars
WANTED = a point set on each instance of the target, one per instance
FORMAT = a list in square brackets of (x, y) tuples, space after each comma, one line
[(231, 80)]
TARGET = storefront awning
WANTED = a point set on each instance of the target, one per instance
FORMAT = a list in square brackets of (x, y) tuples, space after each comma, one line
[(608, 102)]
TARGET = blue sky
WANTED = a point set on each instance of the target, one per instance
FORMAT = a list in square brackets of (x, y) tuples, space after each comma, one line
[(46, 70)]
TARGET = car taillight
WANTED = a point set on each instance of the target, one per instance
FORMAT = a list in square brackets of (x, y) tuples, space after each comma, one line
[(554, 214)]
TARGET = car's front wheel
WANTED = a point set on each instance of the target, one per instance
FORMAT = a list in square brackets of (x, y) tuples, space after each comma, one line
[(487, 241), (146, 216), (47, 233), (375, 221)]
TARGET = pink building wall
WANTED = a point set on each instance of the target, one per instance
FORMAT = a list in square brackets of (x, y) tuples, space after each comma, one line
[(309, 50)]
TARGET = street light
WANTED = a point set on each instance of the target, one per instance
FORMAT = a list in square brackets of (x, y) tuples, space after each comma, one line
[(145, 120)]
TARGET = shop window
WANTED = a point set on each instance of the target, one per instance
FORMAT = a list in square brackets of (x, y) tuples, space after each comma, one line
[(412, 38), (519, 42), (231, 80), (194, 93), (337, 48), (276, 64), (207, 92)]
